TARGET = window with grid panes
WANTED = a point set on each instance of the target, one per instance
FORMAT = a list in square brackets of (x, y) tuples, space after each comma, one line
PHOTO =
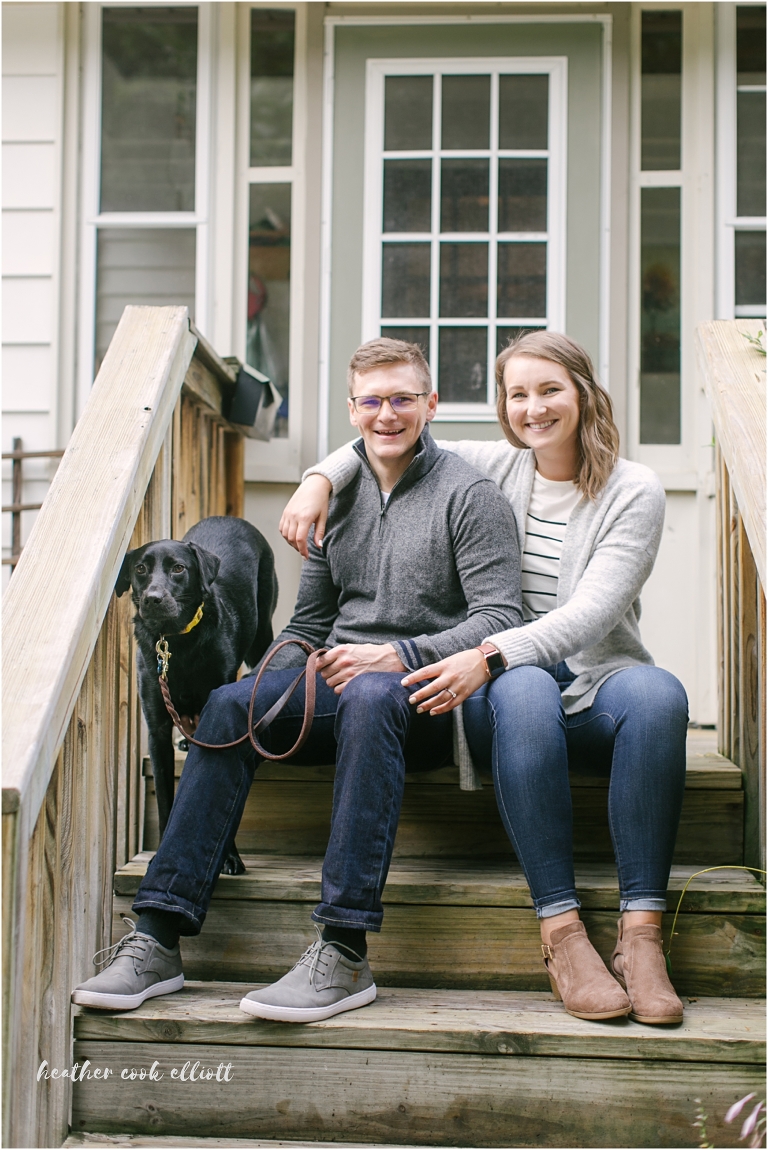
[(462, 250)]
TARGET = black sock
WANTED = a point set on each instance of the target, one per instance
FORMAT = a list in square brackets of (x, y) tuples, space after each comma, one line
[(352, 940), (162, 925)]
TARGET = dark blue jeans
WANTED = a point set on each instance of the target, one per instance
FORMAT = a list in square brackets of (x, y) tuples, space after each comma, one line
[(635, 732), (372, 733)]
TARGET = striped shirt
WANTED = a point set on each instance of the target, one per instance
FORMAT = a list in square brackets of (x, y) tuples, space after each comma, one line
[(549, 509)]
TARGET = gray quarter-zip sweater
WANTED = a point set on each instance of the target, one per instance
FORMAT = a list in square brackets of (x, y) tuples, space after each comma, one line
[(432, 570)]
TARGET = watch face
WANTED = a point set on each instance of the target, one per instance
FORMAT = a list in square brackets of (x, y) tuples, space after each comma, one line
[(495, 663)]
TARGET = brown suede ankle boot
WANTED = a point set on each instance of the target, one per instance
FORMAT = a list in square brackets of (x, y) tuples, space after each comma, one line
[(579, 976), (638, 963)]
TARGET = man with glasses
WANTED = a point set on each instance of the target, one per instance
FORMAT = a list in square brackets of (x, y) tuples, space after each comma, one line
[(419, 561)]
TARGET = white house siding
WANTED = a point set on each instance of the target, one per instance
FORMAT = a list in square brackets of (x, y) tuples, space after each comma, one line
[(33, 64)]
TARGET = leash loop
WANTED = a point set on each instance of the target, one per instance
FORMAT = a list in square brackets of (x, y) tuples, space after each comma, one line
[(310, 670), (163, 657)]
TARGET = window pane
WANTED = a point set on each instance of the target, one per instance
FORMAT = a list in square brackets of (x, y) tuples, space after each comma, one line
[(662, 60), (522, 195), (466, 111), (750, 154), (463, 365), (464, 196), (523, 111), (522, 280), (750, 44), (149, 77), (463, 280), (269, 288), (405, 280), (750, 268), (660, 315), (505, 335), (419, 335), (407, 113), (407, 195), (272, 45), (151, 266)]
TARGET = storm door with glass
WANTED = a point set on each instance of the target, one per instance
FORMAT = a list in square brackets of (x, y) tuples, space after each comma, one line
[(465, 212)]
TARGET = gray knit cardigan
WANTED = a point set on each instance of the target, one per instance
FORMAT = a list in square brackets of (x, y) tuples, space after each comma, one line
[(609, 549)]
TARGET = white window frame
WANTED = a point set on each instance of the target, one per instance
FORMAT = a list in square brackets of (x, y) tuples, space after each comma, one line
[(93, 219), (555, 236), (675, 463), (278, 461), (728, 222)]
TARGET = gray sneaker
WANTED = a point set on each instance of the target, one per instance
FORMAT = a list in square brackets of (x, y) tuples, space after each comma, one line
[(136, 968), (323, 982)]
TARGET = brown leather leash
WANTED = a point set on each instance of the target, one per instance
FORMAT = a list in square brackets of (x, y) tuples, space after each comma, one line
[(310, 670)]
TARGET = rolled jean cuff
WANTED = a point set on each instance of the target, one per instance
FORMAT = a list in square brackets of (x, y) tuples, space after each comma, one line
[(560, 907), (193, 916), (353, 919), (643, 904)]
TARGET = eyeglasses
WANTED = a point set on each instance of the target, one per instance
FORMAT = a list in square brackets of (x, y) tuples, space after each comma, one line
[(371, 404)]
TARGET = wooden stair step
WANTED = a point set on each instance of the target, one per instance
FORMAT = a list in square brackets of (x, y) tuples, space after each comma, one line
[(458, 1021), (470, 882), (418, 1068), (462, 924), (171, 1142), (288, 811)]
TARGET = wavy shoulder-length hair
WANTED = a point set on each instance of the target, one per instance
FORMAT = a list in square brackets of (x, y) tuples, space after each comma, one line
[(598, 435)]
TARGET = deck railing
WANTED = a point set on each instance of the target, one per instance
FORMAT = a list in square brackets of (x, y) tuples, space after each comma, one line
[(733, 371), (151, 456)]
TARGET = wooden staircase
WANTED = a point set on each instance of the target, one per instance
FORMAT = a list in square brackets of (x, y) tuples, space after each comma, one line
[(465, 1045)]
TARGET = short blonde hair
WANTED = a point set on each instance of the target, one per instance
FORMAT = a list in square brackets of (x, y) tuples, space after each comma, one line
[(383, 352), (598, 434)]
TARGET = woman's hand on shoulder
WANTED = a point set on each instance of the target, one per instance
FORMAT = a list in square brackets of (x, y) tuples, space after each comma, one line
[(452, 680), (308, 505)]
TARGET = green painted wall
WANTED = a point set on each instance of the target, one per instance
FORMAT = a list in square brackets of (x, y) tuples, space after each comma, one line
[(582, 44)]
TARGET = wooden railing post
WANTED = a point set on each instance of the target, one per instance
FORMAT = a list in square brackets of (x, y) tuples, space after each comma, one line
[(733, 372)]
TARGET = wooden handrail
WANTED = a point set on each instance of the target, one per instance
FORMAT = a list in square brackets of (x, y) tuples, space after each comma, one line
[(69, 565), (151, 456), (734, 374)]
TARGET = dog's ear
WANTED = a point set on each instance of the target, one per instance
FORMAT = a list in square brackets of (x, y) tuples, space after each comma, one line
[(209, 566), (123, 583)]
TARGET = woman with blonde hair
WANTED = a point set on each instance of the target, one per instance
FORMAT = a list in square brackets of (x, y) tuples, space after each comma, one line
[(574, 687)]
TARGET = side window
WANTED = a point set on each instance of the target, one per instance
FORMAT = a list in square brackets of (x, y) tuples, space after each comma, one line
[(749, 226), (145, 233), (465, 213), (660, 221), (270, 178)]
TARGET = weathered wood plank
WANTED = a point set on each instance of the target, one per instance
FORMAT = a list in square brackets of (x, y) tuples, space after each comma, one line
[(705, 770), (169, 1140), (469, 882), (294, 817), (461, 946), (455, 1021), (426, 1099), (734, 376), (749, 695)]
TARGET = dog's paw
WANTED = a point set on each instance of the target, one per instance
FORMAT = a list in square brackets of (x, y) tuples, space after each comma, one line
[(232, 864)]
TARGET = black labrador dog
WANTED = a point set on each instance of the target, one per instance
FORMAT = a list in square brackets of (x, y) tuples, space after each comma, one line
[(225, 566)]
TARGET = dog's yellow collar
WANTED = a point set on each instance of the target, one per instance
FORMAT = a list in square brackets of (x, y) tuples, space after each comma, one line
[(195, 621)]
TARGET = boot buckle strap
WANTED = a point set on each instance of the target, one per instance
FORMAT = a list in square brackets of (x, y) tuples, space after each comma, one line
[(546, 951)]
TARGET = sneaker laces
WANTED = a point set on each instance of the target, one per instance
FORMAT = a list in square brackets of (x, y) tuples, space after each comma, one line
[(313, 957), (130, 944)]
